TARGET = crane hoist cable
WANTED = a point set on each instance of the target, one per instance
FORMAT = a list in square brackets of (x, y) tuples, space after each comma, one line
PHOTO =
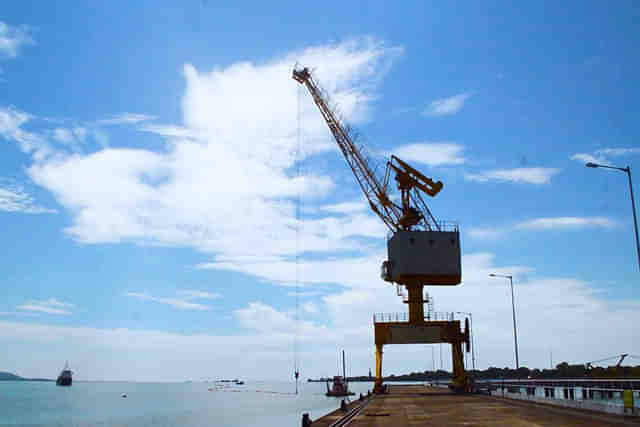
[(296, 367)]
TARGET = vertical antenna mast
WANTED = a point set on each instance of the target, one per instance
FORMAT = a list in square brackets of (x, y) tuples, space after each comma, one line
[(344, 369)]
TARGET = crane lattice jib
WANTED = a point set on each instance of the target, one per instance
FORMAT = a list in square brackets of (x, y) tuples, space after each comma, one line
[(376, 193)]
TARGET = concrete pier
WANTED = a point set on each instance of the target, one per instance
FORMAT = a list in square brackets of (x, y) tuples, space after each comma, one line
[(417, 405)]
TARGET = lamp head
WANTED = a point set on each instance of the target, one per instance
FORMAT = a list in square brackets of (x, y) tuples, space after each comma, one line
[(592, 165), (492, 275)]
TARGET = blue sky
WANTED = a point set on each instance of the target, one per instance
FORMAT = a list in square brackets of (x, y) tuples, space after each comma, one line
[(148, 181)]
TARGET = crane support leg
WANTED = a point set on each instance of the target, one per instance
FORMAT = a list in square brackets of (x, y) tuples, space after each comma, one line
[(460, 381), (377, 386), (416, 304)]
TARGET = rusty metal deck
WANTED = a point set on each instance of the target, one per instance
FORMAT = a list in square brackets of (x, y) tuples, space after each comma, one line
[(425, 406)]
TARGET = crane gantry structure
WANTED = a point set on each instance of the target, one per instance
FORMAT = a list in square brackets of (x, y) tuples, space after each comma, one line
[(421, 251)]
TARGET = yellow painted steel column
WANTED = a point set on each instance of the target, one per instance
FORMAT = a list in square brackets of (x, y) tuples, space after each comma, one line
[(460, 380), (377, 386), (416, 303)]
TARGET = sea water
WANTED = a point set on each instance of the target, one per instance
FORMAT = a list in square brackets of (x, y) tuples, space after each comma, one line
[(192, 404)]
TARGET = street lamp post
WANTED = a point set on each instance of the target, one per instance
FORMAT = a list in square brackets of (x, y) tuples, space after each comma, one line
[(473, 345), (627, 170), (513, 308)]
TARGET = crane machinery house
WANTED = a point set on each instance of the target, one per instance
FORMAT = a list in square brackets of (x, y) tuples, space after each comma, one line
[(430, 257)]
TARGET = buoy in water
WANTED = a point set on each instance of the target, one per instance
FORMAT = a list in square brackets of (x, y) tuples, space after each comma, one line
[(124, 395)]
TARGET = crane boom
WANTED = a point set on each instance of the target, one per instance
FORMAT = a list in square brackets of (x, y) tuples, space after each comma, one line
[(376, 192)]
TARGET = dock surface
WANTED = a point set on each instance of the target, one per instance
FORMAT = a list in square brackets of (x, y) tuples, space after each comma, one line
[(417, 405)]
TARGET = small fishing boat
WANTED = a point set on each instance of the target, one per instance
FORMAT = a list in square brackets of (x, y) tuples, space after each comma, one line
[(64, 379), (340, 384)]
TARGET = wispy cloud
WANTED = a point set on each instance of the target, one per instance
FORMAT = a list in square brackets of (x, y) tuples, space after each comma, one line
[(447, 106), (18, 313), (589, 158), (345, 207), (12, 39), (72, 135), (432, 153), (561, 223), (304, 294), (615, 152), (167, 130), (183, 301), (191, 294), (567, 223), (49, 306), (310, 307), (126, 118), (517, 175), (602, 156), (13, 198), (11, 122), (485, 233)]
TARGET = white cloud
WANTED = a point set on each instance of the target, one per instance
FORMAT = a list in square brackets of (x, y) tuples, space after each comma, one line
[(192, 294), (49, 306), (446, 106), (216, 188), (11, 122), (126, 118), (183, 302), (518, 175), (305, 294), (18, 313), (124, 354), (346, 207), (63, 135), (310, 307), (431, 153), (70, 136), (553, 223), (13, 198), (572, 309), (567, 223), (617, 152), (345, 271), (602, 156), (589, 158), (12, 39), (167, 130), (264, 317), (485, 233)]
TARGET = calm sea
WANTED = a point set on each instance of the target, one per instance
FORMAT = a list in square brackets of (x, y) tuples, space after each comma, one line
[(163, 404)]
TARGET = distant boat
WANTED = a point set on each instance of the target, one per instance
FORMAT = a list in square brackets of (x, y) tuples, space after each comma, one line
[(64, 379), (238, 382), (340, 385)]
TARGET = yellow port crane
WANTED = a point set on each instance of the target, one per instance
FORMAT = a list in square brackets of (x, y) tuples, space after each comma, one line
[(422, 250)]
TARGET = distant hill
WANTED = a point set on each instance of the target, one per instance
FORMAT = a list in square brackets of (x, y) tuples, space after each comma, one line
[(8, 376)]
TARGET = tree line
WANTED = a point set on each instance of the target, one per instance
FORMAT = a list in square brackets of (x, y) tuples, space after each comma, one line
[(562, 370)]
